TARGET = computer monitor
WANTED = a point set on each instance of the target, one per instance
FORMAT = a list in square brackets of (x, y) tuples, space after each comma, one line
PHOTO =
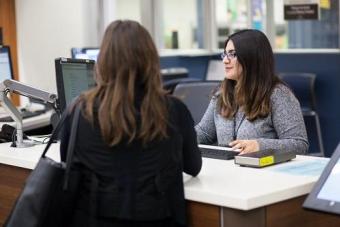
[(73, 76), (85, 53), (6, 70), (325, 196), (174, 73)]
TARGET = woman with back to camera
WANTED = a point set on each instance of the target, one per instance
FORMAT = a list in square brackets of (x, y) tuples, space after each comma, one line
[(133, 139), (253, 110)]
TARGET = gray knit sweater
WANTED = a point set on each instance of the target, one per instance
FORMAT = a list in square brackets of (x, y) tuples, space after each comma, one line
[(282, 129)]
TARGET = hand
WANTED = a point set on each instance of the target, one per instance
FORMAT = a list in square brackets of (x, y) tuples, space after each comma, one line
[(246, 146)]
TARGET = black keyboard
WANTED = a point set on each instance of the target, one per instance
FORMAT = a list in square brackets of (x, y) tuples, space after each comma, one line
[(216, 152), (25, 114)]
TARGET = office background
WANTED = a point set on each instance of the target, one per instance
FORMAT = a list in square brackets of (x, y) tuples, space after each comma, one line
[(46, 29)]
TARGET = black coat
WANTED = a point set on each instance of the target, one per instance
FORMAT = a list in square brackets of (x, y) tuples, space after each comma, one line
[(131, 183)]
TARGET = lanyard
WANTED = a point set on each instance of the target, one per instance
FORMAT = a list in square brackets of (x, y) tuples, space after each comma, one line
[(238, 127)]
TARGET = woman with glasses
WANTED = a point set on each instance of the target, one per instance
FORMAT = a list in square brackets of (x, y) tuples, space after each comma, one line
[(253, 110), (134, 141)]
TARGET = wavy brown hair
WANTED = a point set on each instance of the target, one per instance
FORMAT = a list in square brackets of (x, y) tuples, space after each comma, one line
[(128, 81), (253, 90)]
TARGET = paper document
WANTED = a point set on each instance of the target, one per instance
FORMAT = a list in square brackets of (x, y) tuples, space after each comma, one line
[(307, 168)]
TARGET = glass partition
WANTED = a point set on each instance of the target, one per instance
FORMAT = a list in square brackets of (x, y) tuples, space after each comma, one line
[(308, 34), (179, 24)]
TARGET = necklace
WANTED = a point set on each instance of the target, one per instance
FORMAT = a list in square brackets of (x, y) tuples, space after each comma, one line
[(235, 131)]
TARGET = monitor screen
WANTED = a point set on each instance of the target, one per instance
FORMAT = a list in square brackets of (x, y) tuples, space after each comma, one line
[(73, 76), (325, 195), (331, 188), (6, 71), (85, 53)]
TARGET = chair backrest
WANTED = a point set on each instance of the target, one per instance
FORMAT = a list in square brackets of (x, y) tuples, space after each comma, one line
[(196, 96), (302, 85), (170, 85)]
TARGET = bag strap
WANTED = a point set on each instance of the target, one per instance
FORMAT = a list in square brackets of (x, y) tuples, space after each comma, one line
[(71, 144), (56, 131), (70, 147)]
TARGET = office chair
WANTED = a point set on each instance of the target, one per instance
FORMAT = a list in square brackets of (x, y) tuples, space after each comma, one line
[(170, 85), (196, 95), (302, 85)]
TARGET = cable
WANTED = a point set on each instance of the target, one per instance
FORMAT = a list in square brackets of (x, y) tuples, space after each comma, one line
[(14, 144)]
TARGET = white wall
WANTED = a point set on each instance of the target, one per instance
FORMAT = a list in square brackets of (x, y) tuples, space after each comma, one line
[(47, 29), (111, 10), (128, 9)]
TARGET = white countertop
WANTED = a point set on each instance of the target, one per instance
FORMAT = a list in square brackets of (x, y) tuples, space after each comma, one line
[(220, 182), (26, 157), (226, 184)]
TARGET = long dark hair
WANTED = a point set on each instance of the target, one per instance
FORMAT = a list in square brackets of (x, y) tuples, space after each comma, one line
[(127, 69), (253, 90)]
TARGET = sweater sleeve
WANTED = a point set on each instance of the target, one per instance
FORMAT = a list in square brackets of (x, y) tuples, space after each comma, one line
[(206, 129), (288, 123), (192, 159)]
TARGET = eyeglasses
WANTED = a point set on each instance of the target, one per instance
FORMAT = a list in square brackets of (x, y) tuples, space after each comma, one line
[(230, 55)]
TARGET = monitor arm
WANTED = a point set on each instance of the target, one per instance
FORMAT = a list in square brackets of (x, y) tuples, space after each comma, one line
[(14, 86)]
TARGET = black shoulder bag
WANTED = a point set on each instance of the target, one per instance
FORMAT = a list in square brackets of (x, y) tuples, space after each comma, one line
[(49, 194)]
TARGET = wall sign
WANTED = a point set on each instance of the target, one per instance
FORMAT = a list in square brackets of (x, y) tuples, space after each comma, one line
[(301, 10)]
